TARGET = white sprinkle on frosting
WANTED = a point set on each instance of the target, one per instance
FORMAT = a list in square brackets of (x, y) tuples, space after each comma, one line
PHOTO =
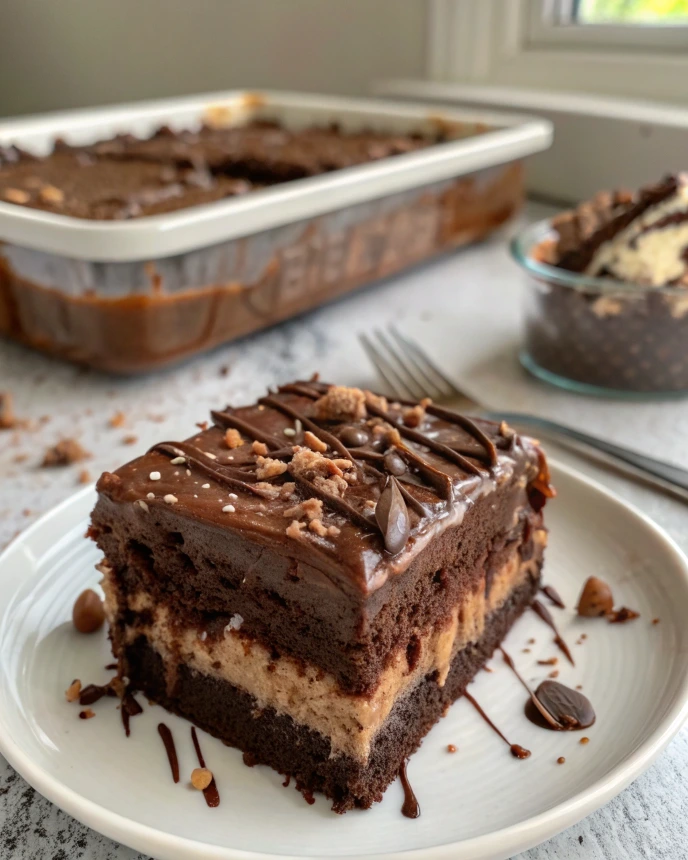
[(154, 476), (150, 496), (289, 431), (232, 496), (178, 461), (235, 623), (203, 635), (205, 486), (142, 504), (212, 456), (228, 509), (169, 499)]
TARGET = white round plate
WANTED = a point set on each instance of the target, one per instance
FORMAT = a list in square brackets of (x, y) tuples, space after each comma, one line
[(478, 803)]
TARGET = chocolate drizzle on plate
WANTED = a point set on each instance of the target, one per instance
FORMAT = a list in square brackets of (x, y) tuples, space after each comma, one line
[(557, 707), (170, 749), (410, 807), (553, 705), (211, 794), (129, 708), (544, 613), (92, 693), (551, 592), (516, 750)]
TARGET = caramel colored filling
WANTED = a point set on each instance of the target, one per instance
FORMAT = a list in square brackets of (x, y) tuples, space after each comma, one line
[(305, 693)]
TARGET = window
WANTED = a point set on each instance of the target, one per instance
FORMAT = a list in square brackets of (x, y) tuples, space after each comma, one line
[(628, 12), (617, 24), (632, 48)]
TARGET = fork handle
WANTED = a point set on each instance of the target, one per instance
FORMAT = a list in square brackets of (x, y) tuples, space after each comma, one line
[(657, 472)]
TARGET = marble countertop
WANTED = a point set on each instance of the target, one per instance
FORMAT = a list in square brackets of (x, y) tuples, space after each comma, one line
[(465, 309)]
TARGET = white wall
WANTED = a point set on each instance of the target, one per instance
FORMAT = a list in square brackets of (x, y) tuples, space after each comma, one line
[(70, 53)]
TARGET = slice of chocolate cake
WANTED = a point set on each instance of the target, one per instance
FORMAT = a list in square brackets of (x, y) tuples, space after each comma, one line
[(316, 577)]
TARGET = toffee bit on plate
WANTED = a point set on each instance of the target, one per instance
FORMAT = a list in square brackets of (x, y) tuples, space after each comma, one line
[(73, 692), (86, 714), (596, 599), (8, 420), (201, 778), (117, 420), (623, 614), (64, 453), (130, 439), (88, 613)]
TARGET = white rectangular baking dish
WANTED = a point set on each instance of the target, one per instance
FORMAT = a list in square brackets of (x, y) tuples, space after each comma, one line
[(130, 296), (501, 138)]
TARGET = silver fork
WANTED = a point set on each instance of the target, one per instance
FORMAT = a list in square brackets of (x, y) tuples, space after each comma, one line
[(410, 374)]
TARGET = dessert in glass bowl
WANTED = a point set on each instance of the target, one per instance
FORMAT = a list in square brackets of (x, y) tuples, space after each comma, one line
[(607, 304)]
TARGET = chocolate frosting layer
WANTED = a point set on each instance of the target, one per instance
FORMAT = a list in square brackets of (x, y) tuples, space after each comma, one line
[(333, 476)]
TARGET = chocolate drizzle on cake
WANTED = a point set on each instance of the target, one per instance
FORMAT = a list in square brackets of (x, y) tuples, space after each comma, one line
[(516, 750), (211, 794), (376, 442), (544, 613), (170, 749), (410, 807)]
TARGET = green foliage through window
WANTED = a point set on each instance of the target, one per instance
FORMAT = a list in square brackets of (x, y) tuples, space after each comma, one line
[(632, 11)]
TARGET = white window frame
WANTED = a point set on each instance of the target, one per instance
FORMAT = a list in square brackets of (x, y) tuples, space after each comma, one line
[(510, 43)]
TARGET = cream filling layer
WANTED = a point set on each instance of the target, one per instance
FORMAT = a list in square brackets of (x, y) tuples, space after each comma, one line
[(308, 695)]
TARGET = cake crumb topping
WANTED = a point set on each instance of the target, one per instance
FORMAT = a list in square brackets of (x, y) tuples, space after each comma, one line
[(295, 528), (310, 508), (314, 443), (376, 400), (233, 438), (341, 404), (267, 467), (415, 415), (331, 476), (259, 448)]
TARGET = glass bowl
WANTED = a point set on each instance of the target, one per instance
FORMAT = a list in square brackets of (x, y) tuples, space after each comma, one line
[(597, 335)]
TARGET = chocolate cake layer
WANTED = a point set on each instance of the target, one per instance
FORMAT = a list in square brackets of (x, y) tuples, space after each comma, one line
[(336, 597), (278, 741), (299, 689)]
